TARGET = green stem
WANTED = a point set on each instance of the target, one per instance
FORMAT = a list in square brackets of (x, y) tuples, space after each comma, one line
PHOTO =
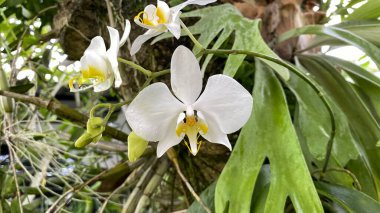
[(191, 36), (146, 72), (301, 75)]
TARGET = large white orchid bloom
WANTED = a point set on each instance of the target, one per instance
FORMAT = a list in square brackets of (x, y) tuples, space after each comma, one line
[(99, 67), (161, 19), (223, 107)]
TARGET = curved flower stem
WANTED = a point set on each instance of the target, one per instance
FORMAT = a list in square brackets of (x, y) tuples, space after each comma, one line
[(144, 71), (301, 75), (348, 172), (191, 36), (111, 109)]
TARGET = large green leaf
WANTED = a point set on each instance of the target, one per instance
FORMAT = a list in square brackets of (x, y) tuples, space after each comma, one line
[(351, 200), (368, 30), (366, 84), (219, 23), (314, 124), (341, 34), (370, 10), (361, 120), (268, 134)]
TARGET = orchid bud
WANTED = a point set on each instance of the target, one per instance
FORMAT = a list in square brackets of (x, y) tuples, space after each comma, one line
[(136, 146), (83, 140)]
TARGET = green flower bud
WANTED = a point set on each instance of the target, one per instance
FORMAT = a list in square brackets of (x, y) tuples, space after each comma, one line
[(136, 146), (83, 140), (6, 104), (95, 128)]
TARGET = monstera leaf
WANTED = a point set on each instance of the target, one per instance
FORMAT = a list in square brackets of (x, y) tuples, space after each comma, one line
[(268, 134)]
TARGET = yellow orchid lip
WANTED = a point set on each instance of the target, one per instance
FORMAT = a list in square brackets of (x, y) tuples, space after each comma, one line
[(192, 127), (143, 17), (91, 75)]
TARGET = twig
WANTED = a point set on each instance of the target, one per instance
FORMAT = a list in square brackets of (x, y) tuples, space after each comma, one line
[(152, 185), (131, 203), (99, 176), (173, 157), (12, 163), (63, 111)]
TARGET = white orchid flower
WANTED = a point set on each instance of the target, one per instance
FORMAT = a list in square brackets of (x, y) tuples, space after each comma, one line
[(157, 115), (99, 67), (161, 19)]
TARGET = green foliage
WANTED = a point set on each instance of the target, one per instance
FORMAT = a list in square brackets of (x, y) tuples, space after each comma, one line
[(279, 145)]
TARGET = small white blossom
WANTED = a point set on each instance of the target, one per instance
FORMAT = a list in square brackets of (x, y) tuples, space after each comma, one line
[(161, 19), (99, 67)]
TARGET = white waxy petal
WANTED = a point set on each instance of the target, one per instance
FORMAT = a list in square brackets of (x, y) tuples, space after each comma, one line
[(214, 134), (226, 101), (175, 10), (170, 139), (163, 11), (127, 30), (152, 113), (103, 86), (186, 77), (100, 62), (150, 13), (175, 27), (97, 45), (140, 40), (112, 54)]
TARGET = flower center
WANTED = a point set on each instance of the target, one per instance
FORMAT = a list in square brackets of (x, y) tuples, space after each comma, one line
[(91, 74), (152, 20), (192, 126)]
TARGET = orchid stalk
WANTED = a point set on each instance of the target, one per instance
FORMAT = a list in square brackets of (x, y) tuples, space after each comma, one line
[(160, 19), (99, 67), (157, 115)]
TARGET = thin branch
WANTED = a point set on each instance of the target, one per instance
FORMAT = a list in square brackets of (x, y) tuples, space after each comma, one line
[(56, 204), (64, 112), (173, 157), (12, 163)]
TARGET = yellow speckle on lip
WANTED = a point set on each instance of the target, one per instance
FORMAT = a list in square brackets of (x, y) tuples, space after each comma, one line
[(191, 127), (91, 73)]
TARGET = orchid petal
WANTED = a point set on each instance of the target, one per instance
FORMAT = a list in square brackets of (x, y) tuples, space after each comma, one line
[(214, 134), (91, 58), (175, 10), (175, 27), (127, 30), (227, 102), (112, 54), (102, 86), (150, 12), (149, 27), (97, 45), (186, 77), (163, 11), (153, 111), (171, 139), (140, 40)]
